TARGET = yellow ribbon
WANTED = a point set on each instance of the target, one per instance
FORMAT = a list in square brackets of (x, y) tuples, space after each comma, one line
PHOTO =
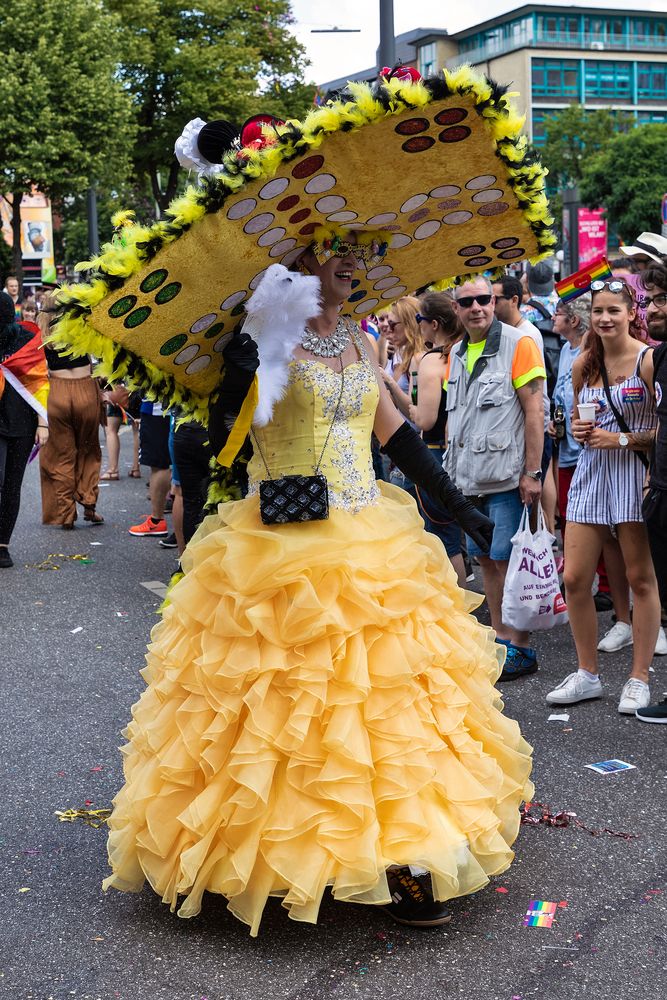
[(91, 817), (239, 431)]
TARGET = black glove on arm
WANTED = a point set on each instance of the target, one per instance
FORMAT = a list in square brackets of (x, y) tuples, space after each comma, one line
[(241, 363), (407, 450)]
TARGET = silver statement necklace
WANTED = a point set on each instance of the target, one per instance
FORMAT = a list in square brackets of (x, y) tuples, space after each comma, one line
[(327, 347)]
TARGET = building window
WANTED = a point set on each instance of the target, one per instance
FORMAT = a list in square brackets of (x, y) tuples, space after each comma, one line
[(539, 124), (651, 117), (595, 28), (555, 78), (608, 79), (652, 81), (428, 59), (648, 33)]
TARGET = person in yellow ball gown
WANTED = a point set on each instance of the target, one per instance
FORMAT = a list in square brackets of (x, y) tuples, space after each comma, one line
[(320, 707)]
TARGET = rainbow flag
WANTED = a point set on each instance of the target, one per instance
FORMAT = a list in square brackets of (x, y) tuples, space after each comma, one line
[(580, 282), (26, 372), (540, 913)]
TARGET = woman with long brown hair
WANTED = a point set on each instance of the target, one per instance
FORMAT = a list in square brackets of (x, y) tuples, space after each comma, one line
[(614, 376)]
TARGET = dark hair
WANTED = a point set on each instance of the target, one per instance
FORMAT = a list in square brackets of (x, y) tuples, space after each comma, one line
[(439, 306), (656, 274), (593, 356), (511, 286)]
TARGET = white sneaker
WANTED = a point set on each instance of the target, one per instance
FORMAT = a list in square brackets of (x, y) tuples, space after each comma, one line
[(661, 644), (618, 636), (635, 694), (575, 688)]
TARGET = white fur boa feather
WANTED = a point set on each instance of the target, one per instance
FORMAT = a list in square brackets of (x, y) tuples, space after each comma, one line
[(276, 319)]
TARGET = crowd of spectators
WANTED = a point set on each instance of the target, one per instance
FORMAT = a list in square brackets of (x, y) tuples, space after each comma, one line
[(491, 375)]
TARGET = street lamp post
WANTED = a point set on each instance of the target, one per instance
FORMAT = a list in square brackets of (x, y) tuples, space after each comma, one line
[(387, 47), (93, 231)]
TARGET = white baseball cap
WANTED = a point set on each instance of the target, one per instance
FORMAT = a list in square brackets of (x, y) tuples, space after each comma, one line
[(650, 245)]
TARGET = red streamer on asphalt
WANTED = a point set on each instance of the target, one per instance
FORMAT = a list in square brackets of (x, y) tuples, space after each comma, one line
[(536, 813)]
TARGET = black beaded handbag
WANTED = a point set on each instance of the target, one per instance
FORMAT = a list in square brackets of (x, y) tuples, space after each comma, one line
[(292, 499)]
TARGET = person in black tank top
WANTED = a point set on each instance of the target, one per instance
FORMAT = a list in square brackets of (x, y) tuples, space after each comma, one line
[(654, 508), (440, 326)]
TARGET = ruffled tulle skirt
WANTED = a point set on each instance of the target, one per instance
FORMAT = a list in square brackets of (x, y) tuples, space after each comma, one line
[(319, 706)]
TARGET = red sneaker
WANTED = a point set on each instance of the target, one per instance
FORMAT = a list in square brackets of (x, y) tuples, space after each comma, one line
[(149, 527)]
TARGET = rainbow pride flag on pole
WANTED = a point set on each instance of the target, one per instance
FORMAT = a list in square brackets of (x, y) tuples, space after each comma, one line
[(26, 372), (580, 282)]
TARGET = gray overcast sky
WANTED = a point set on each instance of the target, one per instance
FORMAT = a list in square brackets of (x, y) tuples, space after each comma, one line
[(335, 55)]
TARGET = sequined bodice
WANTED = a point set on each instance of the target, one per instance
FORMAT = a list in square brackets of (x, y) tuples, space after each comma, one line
[(292, 442)]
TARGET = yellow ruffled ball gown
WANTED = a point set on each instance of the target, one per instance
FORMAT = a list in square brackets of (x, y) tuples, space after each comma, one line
[(319, 701)]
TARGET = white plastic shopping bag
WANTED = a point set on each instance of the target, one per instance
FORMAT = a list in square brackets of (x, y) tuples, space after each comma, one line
[(532, 597)]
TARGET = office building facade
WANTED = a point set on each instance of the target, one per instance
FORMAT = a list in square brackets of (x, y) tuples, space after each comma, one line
[(554, 57)]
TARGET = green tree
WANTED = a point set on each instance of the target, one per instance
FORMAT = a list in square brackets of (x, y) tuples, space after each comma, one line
[(218, 59), (5, 260), (628, 178), (71, 238), (573, 135), (65, 117)]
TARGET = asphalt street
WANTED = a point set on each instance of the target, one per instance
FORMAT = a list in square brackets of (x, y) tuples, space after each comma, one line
[(73, 640)]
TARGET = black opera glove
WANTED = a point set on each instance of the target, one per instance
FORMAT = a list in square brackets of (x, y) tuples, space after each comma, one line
[(407, 450), (241, 363)]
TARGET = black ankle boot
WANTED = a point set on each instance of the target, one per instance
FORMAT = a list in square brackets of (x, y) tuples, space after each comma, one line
[(6, 561), (412, 900)]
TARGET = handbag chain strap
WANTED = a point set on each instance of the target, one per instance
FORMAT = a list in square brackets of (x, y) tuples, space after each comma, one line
[(326, 440)]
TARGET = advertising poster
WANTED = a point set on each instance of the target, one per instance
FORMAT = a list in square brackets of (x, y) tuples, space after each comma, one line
[(36, 230), (592, 234)]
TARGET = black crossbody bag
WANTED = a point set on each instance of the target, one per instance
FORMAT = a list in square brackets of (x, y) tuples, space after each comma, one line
[(620, 420), (292, 499)]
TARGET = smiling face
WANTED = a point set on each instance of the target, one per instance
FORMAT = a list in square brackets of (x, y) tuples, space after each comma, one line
[(611, 314), (383, 323), (335, 274)]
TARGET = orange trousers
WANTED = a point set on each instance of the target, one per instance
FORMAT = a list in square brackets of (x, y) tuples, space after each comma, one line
[(71, 459)]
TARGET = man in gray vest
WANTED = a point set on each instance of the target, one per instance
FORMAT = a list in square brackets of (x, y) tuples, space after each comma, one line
[(495, 430)]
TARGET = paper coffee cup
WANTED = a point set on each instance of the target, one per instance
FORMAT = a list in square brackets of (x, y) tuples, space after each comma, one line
[(587, 411)]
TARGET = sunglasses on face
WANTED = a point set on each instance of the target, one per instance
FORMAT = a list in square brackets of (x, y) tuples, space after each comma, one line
[(467, 300), (659, 300), (393, 323)]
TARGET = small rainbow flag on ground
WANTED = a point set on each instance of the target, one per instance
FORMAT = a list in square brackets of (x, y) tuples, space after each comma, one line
[(540, 913), (580, 282)]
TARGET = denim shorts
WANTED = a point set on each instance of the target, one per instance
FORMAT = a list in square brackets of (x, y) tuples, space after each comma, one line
[(505, 510), (175, 478)]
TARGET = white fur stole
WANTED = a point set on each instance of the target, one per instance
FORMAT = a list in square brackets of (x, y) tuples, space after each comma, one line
[(277, 315)]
